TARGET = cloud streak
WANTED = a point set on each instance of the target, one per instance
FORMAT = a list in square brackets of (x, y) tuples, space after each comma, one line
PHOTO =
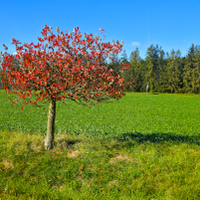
[(135, 43)]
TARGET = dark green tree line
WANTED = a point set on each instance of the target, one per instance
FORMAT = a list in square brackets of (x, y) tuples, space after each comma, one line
[(163, 72)]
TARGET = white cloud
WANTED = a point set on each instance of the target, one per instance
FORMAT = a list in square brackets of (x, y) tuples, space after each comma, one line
[(135, 44)]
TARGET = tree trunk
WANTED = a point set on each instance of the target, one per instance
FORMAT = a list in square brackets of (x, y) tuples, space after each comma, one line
[(50, 125)]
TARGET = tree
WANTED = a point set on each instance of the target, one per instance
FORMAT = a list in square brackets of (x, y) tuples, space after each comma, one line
[(62, 66), (134, 71), (196, 72), (1, 84), (161, 70), (173, 71), (150, 63), (154, 62), (189, 67), (124, 57)]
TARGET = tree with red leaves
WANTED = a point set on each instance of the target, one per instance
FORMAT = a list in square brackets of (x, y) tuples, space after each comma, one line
[(62, 66)]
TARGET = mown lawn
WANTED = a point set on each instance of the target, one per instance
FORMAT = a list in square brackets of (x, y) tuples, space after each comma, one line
[(140, 147)]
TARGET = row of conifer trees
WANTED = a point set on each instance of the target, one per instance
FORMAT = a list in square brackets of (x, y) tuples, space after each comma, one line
[(163, 72)]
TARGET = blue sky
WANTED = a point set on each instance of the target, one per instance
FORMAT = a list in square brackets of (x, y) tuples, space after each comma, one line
[(172, 24)]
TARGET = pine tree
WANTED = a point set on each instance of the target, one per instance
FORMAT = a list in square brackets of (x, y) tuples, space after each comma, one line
[(134, 72), (161, 72), (153, 67), (173, 73), (188, 73), (195, 75), (124, 57)]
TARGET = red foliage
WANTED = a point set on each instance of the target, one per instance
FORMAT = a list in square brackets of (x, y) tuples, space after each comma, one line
[(63, 66)]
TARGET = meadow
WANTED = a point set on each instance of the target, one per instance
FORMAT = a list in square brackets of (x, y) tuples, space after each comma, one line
[(143, 146)]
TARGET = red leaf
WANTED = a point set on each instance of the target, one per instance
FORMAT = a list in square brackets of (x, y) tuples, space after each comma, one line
[(6, 48), (63, 72)]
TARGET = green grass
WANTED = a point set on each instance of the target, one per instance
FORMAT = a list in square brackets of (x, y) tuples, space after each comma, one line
[(141, 113), (140, 147)]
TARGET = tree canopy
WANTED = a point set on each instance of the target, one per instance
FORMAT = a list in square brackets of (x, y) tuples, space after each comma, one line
[(62, 66)]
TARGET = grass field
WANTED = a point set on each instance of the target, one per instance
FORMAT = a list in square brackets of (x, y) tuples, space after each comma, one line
[(140, 147)]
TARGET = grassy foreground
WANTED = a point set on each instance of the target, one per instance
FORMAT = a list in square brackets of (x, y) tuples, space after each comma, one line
[(141, 147), (92, 168)]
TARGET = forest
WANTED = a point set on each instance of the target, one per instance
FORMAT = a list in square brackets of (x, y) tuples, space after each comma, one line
[(162, 72)]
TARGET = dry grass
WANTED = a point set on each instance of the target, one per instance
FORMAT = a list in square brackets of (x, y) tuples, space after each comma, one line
[(7, 164), (73, 154), (121, 158)]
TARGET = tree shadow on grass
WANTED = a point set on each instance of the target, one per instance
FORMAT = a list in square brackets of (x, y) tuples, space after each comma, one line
[(159, 138), (65, 142)]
